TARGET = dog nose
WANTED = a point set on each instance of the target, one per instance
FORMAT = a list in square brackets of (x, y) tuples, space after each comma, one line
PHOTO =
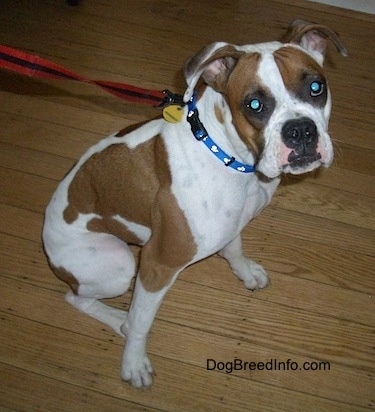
[(301, 135)]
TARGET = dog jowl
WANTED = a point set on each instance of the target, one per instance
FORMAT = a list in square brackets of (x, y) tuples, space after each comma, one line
[(184, 191)]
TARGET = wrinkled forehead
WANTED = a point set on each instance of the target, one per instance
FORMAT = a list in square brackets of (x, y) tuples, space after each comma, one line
[(281, 67)]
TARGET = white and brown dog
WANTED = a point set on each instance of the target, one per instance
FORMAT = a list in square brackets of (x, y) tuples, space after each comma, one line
[(185, 191)]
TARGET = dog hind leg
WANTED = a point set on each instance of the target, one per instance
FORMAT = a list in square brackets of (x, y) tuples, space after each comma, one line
[(103, 267), (251, 273), (110, 316)]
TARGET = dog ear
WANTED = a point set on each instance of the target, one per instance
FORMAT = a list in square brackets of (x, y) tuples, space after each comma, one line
[(213, 63), (313, 38)]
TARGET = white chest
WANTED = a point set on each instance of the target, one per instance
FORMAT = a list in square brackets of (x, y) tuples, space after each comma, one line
[(217, 201)]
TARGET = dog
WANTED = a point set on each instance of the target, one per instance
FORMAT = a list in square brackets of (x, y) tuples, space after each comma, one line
[(185, 190)]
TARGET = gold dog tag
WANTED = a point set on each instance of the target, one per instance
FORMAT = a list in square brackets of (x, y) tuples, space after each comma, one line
[(173, 113)]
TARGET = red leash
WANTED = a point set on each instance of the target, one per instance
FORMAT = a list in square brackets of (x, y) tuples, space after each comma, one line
[(35, 66)]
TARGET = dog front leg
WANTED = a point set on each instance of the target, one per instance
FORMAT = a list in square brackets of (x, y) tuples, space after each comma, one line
[(170, 249), (136, 367), (158, 270), (252, 274)]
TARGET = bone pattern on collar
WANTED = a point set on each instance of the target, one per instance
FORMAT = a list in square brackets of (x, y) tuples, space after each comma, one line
[(201, 134)]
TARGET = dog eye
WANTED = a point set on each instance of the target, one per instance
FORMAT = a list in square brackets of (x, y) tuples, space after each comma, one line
[(316, 88), (255, 105)]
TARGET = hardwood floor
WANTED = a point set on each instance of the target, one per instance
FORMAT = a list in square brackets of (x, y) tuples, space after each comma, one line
[(316, 239)]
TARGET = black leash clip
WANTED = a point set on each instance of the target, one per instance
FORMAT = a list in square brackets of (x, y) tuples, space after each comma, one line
[(171, 98)]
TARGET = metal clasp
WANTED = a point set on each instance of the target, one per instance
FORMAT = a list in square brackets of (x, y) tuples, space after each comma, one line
[(171, 98)]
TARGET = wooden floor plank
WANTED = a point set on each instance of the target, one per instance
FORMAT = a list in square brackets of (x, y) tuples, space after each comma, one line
[(39, 393), (24, 190), (61, 114), (182, 345), (338, 205), (60, 346), (30, 161), (326, 337), (44, 136), (315, 229), (20, 222)]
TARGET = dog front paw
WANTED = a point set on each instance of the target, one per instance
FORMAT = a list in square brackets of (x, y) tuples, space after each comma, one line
[(138, 372), (252, 275)]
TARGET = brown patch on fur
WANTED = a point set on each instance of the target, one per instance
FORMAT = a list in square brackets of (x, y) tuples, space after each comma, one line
[(219, 114), (245, 75), (113, 227), (117, 181), (298, 70), (171, 246), (136, 185), (66, 277), (200, 89)]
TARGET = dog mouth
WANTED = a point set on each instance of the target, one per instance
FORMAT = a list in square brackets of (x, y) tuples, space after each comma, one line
[(298, 161)]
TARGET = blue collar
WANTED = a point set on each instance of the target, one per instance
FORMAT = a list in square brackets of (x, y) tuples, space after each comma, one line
[(200, 133)]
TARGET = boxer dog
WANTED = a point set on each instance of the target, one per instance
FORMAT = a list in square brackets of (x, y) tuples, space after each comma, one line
[(185, 190)]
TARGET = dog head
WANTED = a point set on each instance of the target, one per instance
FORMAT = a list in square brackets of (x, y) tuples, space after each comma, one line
[(277, 94)]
